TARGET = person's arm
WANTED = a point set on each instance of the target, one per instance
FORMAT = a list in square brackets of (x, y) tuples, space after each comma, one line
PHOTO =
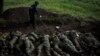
[(38, 13)]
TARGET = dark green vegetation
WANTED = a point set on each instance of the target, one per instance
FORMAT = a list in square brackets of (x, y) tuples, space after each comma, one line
[(88, 10)]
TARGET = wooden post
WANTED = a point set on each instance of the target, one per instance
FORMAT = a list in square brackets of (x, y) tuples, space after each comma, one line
[(1, 6)]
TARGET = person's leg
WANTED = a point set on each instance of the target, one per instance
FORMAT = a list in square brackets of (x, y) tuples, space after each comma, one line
[(29, 48), (39, 48), (32, 19), (54, 52), (33, 24), (47, 50), (58, 50)]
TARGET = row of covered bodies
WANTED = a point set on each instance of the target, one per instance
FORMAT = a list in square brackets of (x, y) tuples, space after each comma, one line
[(68, 43)]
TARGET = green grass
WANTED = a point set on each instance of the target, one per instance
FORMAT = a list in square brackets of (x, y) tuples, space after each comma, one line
[(86, 9)]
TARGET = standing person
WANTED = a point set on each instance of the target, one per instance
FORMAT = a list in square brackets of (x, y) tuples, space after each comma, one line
[(32, 12)]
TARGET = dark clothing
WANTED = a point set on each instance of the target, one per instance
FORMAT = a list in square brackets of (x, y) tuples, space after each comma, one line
[(32, 12)]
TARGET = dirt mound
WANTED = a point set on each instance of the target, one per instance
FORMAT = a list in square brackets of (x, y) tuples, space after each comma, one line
[(17, 15), (93, 27), (21, 15)]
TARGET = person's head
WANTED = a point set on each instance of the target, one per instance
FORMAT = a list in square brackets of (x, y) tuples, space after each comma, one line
[(46, 36), (36, 3), (74, 33)]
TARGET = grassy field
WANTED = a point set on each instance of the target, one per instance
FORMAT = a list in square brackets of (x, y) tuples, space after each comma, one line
[(87, 9)]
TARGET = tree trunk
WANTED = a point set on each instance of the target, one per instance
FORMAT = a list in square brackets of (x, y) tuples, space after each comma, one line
[(1, 6)]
